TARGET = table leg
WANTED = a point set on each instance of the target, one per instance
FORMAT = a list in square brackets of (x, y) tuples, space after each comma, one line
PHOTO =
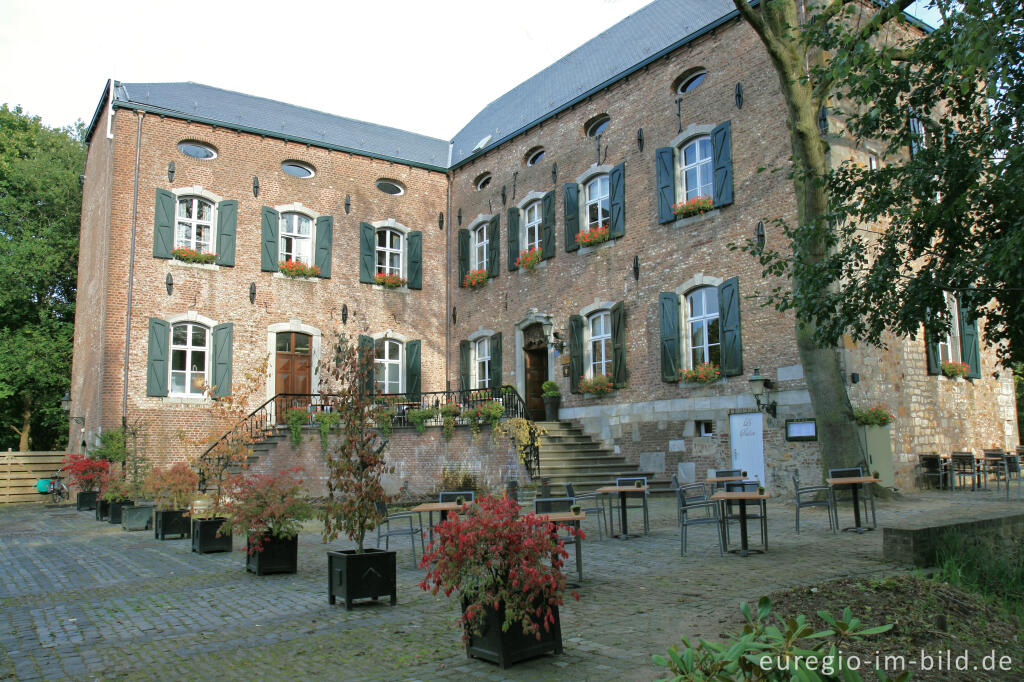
[(743, 528), (857, 527), (623, 518), (579, 552)]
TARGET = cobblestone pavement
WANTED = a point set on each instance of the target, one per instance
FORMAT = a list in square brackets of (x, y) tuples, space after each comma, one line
[(82, 599)]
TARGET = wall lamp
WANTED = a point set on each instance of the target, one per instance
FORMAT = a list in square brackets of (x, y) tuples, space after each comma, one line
[(65, 404), (759, 387), (554, 338)]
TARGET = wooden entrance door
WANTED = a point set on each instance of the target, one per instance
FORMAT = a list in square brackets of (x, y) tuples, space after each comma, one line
[(293, 370), (536, 375)]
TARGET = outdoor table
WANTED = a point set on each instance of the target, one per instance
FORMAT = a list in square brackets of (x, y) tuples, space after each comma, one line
[(431, 507), (990, 464), (574, 519), (742, 497), (622, 491), (711, 482), (854, 482)]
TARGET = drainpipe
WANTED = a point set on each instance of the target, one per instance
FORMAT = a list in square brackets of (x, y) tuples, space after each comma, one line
[(447, 274), (131, 275)]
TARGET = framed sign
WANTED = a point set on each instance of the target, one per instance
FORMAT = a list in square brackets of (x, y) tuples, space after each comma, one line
[(801, 429)]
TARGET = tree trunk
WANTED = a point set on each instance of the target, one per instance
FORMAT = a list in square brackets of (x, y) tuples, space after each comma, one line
[(26, 425)]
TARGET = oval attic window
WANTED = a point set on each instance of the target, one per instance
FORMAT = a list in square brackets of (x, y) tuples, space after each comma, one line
[(597, 125), (297, 169), (197, 150), (690, 83), (390, 186), (482, 181), (534, 155)]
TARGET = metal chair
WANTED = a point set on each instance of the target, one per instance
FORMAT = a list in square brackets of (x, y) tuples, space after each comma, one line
[(933, 469), (413, 531), (693, 492), (454, 495), (597, 507), (852, 472), (629, 481), (685, 507), (813, 491), (760, 515), (993, 463), (1012, 472), (722, 473), (550, 505), (964, 466)]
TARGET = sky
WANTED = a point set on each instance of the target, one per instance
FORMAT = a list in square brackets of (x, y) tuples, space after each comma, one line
[(426, 67)]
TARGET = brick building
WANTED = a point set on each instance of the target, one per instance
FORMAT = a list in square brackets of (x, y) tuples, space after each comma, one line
[(675, 102)]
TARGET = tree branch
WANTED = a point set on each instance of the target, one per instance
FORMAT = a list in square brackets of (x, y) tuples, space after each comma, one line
[(754, 19)]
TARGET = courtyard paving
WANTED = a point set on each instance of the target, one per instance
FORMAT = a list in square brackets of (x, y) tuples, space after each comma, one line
[(82, 599)]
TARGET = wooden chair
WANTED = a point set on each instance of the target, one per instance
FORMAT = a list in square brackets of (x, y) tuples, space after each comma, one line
[(964, 466)]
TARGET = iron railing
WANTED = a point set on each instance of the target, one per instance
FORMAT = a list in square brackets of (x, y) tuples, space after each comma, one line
[(261, 421)]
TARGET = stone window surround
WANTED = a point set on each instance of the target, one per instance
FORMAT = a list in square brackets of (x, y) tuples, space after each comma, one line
[(694, 130), (481, 219), (480, 333), (595, 307), (297, 207), (689, 286), (190, 316), (392, 224), (293, 325)]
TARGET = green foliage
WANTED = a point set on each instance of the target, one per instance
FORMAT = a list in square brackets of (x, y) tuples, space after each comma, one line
[(522, 432), (112, 446), (488, 412), (40, 209), (873, 416), (756, 652), (296, 418), (325, 420), (384, 418), (458, 477), (549, 389), (269, 505), (420, 417), (995, 568), (449, 413)]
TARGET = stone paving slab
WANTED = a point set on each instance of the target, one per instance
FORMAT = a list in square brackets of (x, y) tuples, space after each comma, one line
[(82, 599)]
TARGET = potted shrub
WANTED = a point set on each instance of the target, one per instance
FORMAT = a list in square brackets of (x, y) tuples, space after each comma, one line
[(115, 492), (507, 571), (135, 516), (355, 487), (269, 509), (420, 416), (552, 397), (172, 488), (85, 474), (111, 450), (875, 440)]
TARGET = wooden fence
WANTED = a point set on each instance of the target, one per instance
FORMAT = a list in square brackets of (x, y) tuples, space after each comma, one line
[(19, 472)]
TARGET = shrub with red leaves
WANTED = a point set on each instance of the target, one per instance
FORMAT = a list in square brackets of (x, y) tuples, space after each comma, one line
[(269, 505), (492, 556), (85, 473)]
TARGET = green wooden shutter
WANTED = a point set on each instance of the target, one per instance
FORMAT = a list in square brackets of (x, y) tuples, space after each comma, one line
[(970, 351), (619, 344), (324, 251), (163, 224), (414, 243), (223, 338), (575, 352), (270, 223), (547, 226), (156, 360), (494, 381), (721, 161), (571, 213), (729, 327), (464, 365), (664, 165), (412, 371), (227, 226), (513, 238), (463, 256), (494, 247), (931, 349), (668, 310), (366, 355), (617, 200), (367, 253)]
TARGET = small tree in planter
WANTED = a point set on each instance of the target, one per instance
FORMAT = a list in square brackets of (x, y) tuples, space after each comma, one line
[(172, 488), (355, 487), (269, 509), (507, 570), (85, 474), (136, 516), (114, 490)]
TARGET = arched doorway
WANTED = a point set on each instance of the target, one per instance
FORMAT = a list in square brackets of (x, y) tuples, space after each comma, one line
[(535, 361), (293, 369)]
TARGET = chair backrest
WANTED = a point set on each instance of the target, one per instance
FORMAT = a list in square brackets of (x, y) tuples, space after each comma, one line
[(721, 473), (382, 508), (452, 495), (630, 480), (685, 500), (963, 461), (675, 481), (1012, 463), (930, 463), (741, 486), (849, 472), (995, 452), (570, 490), (548, 505)]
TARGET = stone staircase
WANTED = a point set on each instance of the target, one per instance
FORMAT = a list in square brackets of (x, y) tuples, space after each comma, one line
[(568, 455)]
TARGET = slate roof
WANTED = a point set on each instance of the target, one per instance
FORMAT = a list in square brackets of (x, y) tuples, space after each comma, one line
[(643, 36), (257, 114)]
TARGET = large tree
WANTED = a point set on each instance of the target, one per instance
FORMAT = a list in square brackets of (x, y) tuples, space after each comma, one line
[(40, 207)]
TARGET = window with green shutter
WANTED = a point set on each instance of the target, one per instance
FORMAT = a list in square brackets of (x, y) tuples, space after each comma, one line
[(665, 188), (269, 225), (163, 224), (324, 252), (464, 383), (156, 357), (668, 315), (223, 339), (366, 355), (513, 238), (412, 371), (617, 200), (227, 225), (367, 253), (729, 313), (619, 344), (970, 350), (494, 247), (571, 215), (575, 352), (547, 243), (721, 159), (495, 366), (463, 238), (414, 242)]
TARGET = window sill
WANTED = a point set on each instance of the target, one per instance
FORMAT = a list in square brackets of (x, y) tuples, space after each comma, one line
[(400, 290), (694, 219), (185, 400), (538, 266), (198, 266), (599, 396), (278, 275), (590, 249)]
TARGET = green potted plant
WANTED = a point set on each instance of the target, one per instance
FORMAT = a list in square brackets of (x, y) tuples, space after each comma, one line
[(296, 418), (552, 397), (507, 571), (85, 474), (269, 509), (420, 416), (355, 487), (449, 413), (137, 515), (703, 373), (172, 488), (115, 492), (112, 451), (326, 420)]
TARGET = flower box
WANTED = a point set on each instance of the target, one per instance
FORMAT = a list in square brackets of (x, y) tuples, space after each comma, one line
[(171, 522), (205, 539), (599, 385), (528, 260), (137, 517), (102, 509), (296, 269), (193, 256), (509, 647), (390, 281), (275, 555), (873, 416), (956, 370), (116, 511), (475, 279), (369, 575), (593, 236), (86, 500), (695, 206), (704, 373)]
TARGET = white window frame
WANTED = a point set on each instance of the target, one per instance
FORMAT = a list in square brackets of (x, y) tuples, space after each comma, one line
[(304, 258), (590, 199), (478, 245), (700, 164), (690, 320), (206, 246), (385, 362), (604, 362), (482, 362), (533, 218), (189, 349), (950, 347), (704, 428), (388, 250)]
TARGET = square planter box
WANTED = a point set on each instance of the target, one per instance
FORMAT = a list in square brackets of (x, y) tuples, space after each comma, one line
[(369, 575), (171, 522), (279, 555), (102, 509), (138, 517), (86, 500), (204, 536), (507, 648), (116, 511)]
